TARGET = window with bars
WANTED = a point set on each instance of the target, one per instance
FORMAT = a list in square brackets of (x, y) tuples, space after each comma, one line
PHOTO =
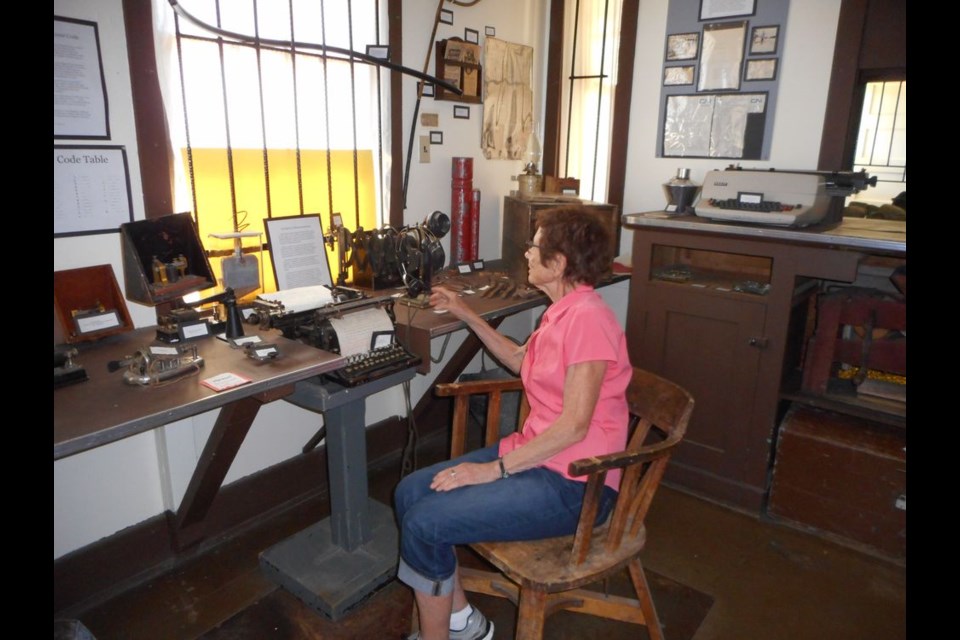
[(264, 124), (591, 44), (882, 140)]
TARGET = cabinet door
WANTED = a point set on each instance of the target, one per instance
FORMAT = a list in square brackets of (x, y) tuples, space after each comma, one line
[(708, 343)]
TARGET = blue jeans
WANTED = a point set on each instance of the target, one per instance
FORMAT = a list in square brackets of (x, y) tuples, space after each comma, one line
[(536, 503)]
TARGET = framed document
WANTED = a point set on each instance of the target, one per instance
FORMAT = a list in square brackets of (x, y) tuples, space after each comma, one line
[(761, 69), (298, 252), (91, 190), (79, 90), (682, 46), (722, 59), (764, 40), (719, 9), (678, 76)]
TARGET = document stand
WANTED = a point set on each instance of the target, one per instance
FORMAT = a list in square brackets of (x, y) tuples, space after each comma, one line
[(335, 563)]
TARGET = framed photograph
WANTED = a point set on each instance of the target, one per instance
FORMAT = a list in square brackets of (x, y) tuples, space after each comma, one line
[(764, 40), (490, 31), (678, 76), (436, 137), (380, 52), (719, 9), (472, 36), (760, 69), (461, 112), (426, 89), (446, 16), (682, 46)]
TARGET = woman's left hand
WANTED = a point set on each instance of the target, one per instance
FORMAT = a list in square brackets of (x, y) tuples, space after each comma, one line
[(465, 474)]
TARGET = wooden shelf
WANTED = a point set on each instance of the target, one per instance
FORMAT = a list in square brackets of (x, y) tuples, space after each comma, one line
[(461, 68), (842, 397)]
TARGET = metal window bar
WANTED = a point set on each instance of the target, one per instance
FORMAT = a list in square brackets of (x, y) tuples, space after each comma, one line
[(263, 116), (259, 47), (573, 77), (296, 108), (603, 58)]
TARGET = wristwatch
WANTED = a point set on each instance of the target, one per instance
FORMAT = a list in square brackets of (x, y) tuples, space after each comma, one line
[(503, 469)]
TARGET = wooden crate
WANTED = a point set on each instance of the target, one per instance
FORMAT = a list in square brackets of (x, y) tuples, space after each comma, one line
[(844, 476)]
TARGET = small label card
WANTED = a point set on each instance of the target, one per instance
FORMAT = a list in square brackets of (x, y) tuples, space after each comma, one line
[(92, 322), (224, 381), (243, 341)]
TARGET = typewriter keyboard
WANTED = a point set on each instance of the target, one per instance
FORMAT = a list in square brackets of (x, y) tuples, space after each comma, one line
[(374, 364)]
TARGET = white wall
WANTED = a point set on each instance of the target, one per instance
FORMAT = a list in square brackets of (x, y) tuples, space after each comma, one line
[(102, 491)]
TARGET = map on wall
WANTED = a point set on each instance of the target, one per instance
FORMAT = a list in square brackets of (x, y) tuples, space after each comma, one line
[(508, 99)]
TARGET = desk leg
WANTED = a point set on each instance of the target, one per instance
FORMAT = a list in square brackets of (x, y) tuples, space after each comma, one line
[(233, 423), (347, 464)]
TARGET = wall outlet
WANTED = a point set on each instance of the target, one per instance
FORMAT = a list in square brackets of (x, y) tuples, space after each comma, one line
[(901, 503), (424, 149)]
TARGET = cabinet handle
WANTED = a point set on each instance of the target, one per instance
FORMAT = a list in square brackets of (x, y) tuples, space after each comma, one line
[(759, 343)]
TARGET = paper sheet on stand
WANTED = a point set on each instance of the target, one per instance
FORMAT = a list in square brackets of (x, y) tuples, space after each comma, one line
[(300, 298), (355, 330)]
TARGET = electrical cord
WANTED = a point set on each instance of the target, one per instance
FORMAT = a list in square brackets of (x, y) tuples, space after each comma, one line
[(408, 462)]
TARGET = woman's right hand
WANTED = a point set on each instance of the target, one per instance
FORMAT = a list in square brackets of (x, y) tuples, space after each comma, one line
[(446, 300)]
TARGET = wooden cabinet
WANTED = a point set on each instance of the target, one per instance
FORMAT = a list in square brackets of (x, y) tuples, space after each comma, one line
[(458, 62), (520, 223), (723, 311)]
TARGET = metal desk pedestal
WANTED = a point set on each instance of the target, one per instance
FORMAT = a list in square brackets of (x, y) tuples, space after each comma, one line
[(335, 563)]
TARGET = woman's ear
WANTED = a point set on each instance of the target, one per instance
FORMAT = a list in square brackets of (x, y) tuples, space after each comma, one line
[(557, 264)]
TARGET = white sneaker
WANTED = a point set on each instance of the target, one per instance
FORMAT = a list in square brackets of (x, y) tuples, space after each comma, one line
[(477, 628)]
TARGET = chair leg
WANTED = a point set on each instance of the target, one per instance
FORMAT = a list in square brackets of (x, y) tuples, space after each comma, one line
[(646, 601), (530, 614)]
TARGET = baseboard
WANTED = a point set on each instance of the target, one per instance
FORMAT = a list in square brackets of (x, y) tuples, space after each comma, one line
[(104, 569)]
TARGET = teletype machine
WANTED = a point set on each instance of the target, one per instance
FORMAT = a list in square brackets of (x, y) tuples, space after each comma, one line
[(358, 324)]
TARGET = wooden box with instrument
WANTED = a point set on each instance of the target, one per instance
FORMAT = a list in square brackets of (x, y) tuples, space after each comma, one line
[(88, 305)]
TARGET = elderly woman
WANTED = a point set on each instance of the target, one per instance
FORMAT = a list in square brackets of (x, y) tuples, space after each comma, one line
[(575, 372)]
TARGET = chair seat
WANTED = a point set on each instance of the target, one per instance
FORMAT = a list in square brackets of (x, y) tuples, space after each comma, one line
[(545, 564)]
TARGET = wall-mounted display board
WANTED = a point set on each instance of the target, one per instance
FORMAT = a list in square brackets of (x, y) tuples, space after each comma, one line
[(720, 78)]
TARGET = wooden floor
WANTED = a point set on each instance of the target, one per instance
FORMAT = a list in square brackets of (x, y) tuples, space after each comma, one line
[(716, 575)]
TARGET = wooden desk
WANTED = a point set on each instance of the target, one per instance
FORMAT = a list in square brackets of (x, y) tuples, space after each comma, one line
[(417, 327), (105, 409)]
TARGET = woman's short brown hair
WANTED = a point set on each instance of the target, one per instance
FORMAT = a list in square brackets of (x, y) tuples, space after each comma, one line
[(581, 237)]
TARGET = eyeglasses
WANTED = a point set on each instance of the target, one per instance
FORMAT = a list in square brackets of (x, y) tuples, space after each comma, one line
[(530, 245)]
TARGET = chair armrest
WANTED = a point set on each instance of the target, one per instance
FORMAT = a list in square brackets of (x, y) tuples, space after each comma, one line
[(478, 386), (621, 459)]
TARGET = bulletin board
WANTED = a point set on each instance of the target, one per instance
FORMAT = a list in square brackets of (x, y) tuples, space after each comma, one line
[(720, 78)]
